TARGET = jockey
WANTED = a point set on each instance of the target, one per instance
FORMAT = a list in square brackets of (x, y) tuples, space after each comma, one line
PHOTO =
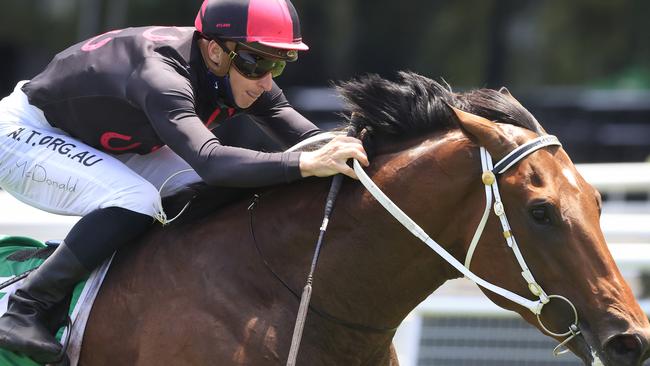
[(110, 119)]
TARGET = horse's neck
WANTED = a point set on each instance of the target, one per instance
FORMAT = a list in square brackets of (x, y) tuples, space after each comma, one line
[(372, 270)]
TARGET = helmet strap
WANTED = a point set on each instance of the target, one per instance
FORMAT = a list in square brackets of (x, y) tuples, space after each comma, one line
[(229, 53)]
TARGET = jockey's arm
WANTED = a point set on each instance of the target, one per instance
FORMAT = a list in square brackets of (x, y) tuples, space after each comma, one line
[(168, 100), (276, 116)]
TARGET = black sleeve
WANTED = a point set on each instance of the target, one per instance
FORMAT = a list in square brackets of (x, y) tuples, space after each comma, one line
[(277, 118), (166, 96)]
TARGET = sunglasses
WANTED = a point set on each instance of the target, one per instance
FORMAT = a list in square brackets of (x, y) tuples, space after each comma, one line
[(252, 65)]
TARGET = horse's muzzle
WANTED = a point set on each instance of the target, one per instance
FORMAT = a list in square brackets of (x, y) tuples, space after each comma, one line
[(626, 349)]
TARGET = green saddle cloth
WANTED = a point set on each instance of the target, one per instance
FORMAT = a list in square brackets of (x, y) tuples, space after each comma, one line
[(10, 245)]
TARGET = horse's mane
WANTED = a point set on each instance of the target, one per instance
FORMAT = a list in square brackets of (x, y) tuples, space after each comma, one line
[(410, 106), (413, 105)]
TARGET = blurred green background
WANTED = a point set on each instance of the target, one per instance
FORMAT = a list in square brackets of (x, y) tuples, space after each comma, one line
[(519, 43), (571, 62)]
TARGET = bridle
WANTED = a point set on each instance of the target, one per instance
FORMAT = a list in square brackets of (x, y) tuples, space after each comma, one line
[(490, 172)]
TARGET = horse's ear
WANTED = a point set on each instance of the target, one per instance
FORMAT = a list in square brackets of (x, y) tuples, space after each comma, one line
[(485, 133), (504, 90)]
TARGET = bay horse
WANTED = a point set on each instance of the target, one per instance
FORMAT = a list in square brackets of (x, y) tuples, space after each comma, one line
[(219, 288)]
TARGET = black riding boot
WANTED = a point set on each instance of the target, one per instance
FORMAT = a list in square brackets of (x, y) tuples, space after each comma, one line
[(24, 328)]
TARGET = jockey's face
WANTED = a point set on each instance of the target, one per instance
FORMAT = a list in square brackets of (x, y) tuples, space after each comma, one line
[(246, 91)]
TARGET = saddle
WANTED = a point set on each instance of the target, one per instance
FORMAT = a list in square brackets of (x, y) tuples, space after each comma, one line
[(20, 255)]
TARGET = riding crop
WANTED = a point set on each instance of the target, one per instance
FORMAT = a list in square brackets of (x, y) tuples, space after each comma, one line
[(306, 293)]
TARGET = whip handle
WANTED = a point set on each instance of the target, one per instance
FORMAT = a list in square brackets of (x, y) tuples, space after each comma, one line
[(300, 325)]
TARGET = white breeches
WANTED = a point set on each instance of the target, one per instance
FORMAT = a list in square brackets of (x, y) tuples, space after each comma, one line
[(46, 168)]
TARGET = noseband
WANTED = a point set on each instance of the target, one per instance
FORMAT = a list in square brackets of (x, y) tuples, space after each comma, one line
[(490, 172)]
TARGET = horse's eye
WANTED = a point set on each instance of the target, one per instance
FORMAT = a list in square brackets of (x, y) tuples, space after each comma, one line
[(540, 215)]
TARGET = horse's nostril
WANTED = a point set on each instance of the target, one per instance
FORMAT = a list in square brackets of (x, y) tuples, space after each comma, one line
[(625, 349)]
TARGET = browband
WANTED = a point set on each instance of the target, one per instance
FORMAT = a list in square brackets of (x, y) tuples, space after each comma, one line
[(524, 150)]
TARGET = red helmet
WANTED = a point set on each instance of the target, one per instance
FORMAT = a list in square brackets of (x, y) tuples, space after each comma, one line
[(272, 23)]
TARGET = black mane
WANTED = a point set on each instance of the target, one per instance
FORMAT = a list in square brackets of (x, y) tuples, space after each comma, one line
[(413, 105), (410, 106)]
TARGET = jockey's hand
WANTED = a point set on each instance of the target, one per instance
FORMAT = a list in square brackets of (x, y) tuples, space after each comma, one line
[(330, 159)]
